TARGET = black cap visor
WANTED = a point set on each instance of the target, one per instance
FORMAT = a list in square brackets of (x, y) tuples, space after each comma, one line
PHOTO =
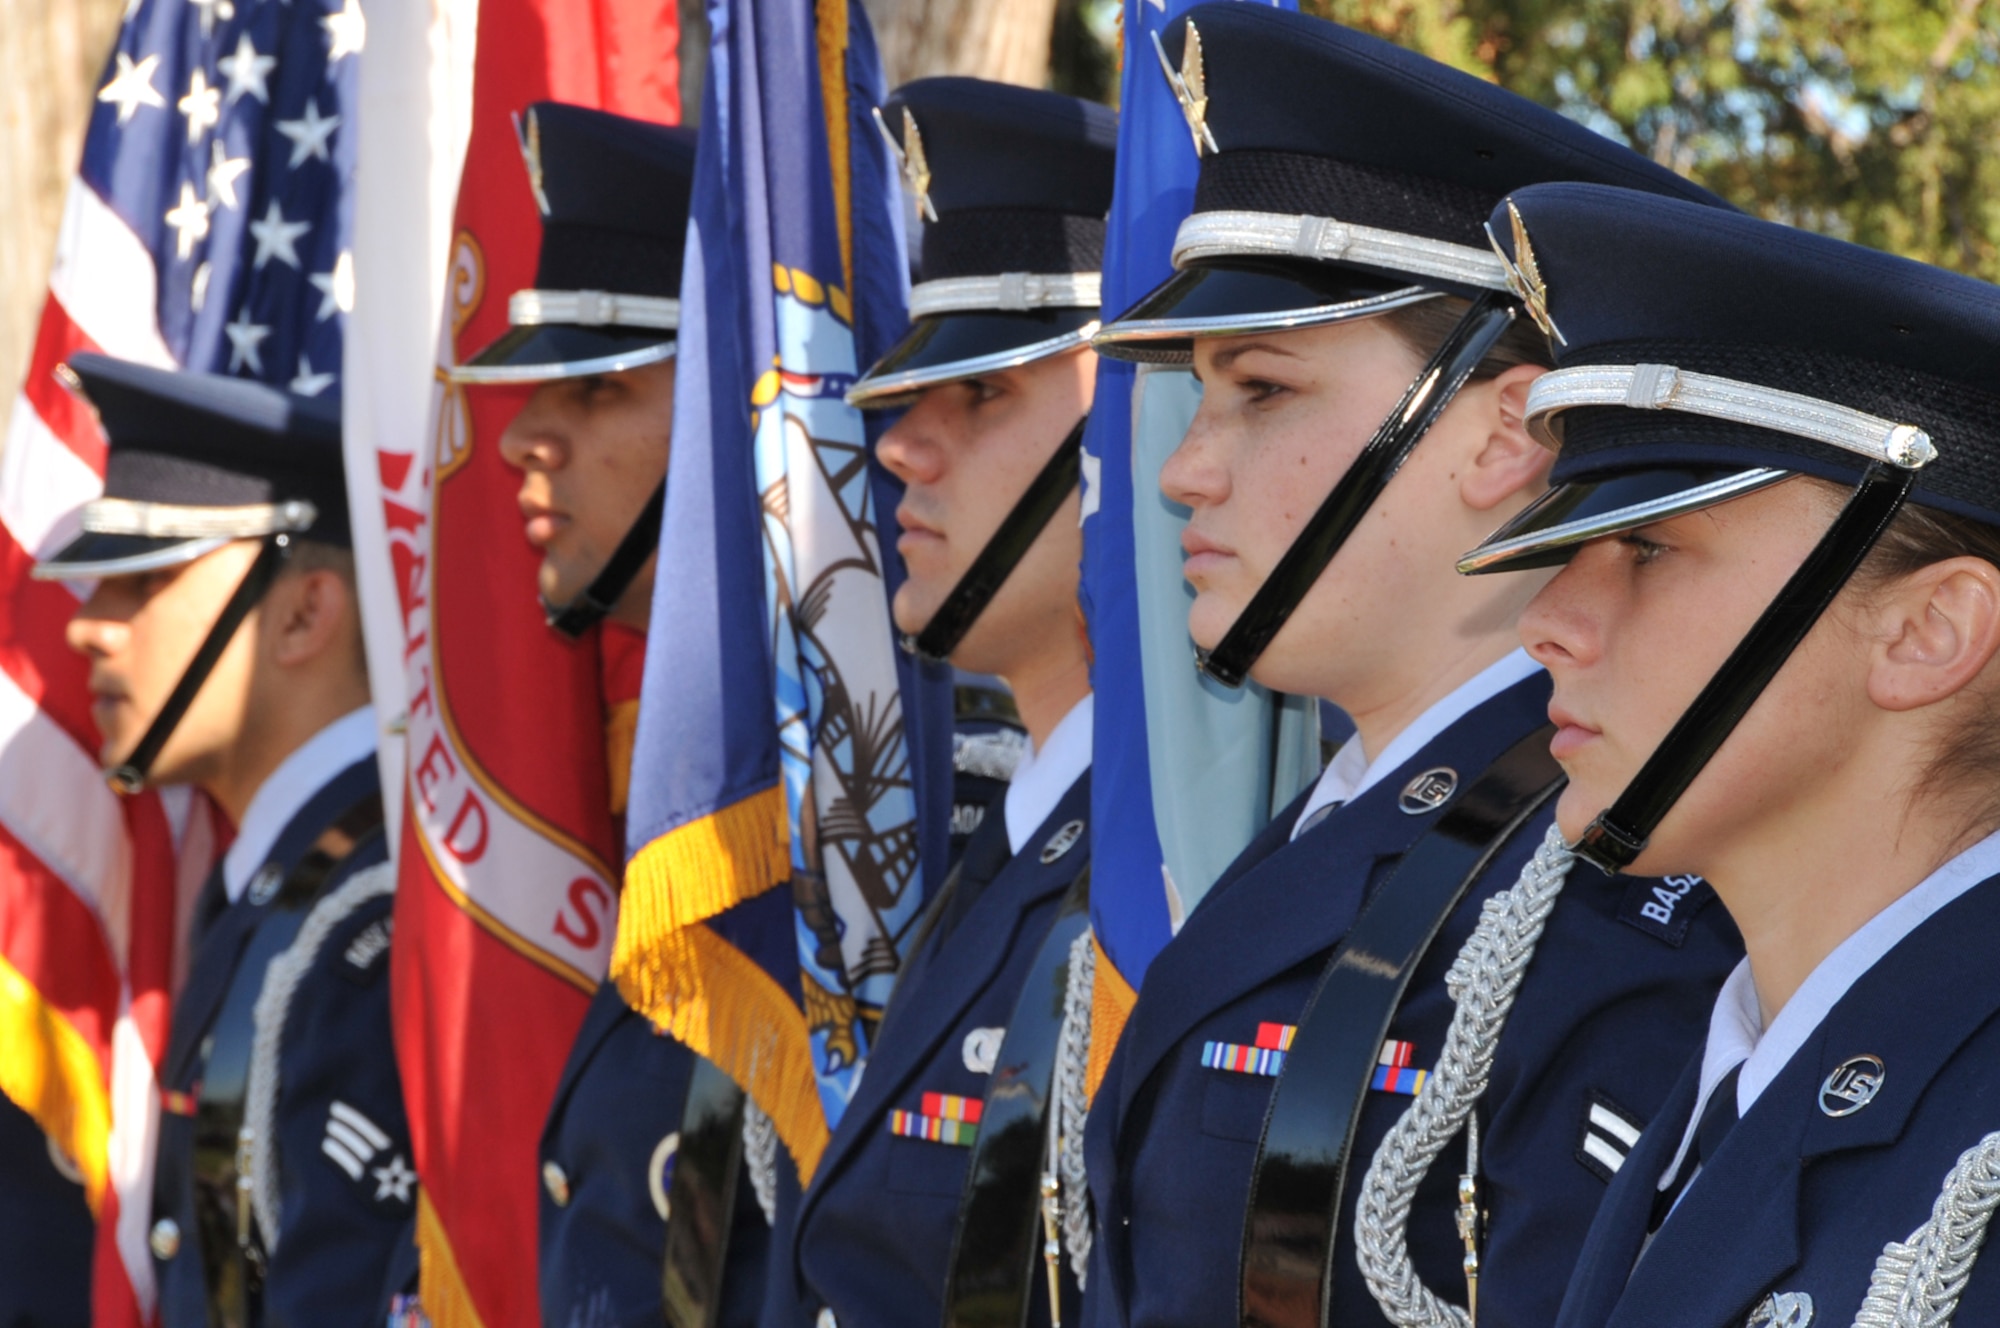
[(954, 346), (1552, 528), (1232, 297), (542, 352), (93, 555)]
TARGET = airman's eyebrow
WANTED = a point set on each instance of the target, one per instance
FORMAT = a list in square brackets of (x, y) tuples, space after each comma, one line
[(1224, 358)]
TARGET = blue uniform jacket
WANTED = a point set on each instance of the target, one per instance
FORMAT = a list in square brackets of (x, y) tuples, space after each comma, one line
[(1797, 1201), (1606, 1016), (607, 1157), (46, 1232), (345, 1186), (875, 1232)]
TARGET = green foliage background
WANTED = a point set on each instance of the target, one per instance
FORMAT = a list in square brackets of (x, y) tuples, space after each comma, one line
[(1873, 120)]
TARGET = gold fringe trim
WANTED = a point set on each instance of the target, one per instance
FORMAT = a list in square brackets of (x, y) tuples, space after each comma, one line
[(699, 870), (50, 1071), (441, 1288), (1111, 1002), (719, 1002), (832, 42), (621, 736)]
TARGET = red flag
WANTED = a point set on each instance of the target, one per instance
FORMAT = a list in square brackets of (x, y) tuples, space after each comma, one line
[(506, 897)]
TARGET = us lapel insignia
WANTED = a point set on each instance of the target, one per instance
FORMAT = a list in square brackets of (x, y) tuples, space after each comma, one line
[(1190, 87), (1524, 274), (1062, 841), (1782, 1309), (910, 160), (1428, 791), (1852, 1085), (264, 885), (530, 135)]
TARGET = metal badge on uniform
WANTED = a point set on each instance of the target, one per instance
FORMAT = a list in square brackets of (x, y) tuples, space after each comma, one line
[(264, 885), (1062, 841), (165, 1239), (1428, 791), (1852, 1085), (1782, 1309), (556, 1181), (982, 1049), (660, 1173), (946, 1118)]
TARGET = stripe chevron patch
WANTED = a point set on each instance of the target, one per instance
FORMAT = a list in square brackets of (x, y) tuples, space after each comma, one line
[(946, 1118)]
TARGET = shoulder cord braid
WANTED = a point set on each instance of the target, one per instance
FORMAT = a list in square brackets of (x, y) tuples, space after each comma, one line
[(1072, 1105), (760, 1155), (1483, 981), (274, 1002), (1917, 1282)]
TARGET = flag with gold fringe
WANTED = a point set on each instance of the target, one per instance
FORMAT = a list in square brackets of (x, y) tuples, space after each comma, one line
[(792, 770)]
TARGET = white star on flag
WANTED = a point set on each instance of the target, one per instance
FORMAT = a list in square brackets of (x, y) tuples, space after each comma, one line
[(202, 106), (189, 220), (246, 69), (223, 173), (336, 288), (394, 1180), (348, 31), (274, 236), (1093, 481), (212, 10), (132, 87), (309, 134), (310, 384), (244, 338)]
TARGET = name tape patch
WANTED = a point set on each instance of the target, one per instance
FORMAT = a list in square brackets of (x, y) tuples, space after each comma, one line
[(1665, 907)]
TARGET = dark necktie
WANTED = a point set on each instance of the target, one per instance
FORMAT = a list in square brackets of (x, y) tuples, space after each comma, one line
[(1718, 1118)]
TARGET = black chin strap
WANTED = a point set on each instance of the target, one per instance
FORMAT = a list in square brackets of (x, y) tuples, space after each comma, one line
[(601, 595), (996, 562), (1273, 604), (129, 776), (1619, 834)]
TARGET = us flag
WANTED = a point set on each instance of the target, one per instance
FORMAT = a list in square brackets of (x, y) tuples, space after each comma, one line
[(207, 227)]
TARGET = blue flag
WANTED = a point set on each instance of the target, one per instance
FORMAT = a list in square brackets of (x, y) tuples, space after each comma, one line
[(792, 774), (1185, 771)]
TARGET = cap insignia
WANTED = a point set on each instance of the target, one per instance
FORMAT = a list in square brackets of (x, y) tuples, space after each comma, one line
[(910, 160), (1190, 87), (530, 135), (1524, 275)]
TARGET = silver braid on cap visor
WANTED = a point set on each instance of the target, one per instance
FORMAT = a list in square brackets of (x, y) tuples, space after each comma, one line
[(1664, 387), (1212, 235), (590, 308), (1009, 292), (123, 516)]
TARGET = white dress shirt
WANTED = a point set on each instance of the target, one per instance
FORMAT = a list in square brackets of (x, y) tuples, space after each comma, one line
[(1736, 1032), (1044, 775), (1350, 773), (298, 777)]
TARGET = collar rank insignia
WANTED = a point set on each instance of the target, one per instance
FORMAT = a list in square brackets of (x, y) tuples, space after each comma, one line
[(1524, 275), (1190, 87), (910, 160), (1266, 1056), (945, 1119), (529, 133), (1392, 1070)]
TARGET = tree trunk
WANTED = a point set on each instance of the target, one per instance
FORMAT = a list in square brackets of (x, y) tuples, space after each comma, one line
[(54, 51), (1007, 40)]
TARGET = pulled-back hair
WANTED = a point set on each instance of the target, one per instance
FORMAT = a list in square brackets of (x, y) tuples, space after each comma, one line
[(1423, 327)]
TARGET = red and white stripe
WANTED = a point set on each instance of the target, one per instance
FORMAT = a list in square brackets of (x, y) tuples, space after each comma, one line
[(90, 884)]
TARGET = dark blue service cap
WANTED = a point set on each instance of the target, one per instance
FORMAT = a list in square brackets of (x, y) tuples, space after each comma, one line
[(1012, 185), (1341, 177), (1704, 354), (197, 460), (613, 193)]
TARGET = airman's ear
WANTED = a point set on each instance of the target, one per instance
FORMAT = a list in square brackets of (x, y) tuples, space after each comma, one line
[(306, 613), (1509, 462), (1934, 632)]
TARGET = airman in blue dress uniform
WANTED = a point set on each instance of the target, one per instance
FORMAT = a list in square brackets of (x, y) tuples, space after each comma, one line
[(925, 1195), (1337, 251), (1772, 642), (595, 337), (224, 642), (46, 1230)]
